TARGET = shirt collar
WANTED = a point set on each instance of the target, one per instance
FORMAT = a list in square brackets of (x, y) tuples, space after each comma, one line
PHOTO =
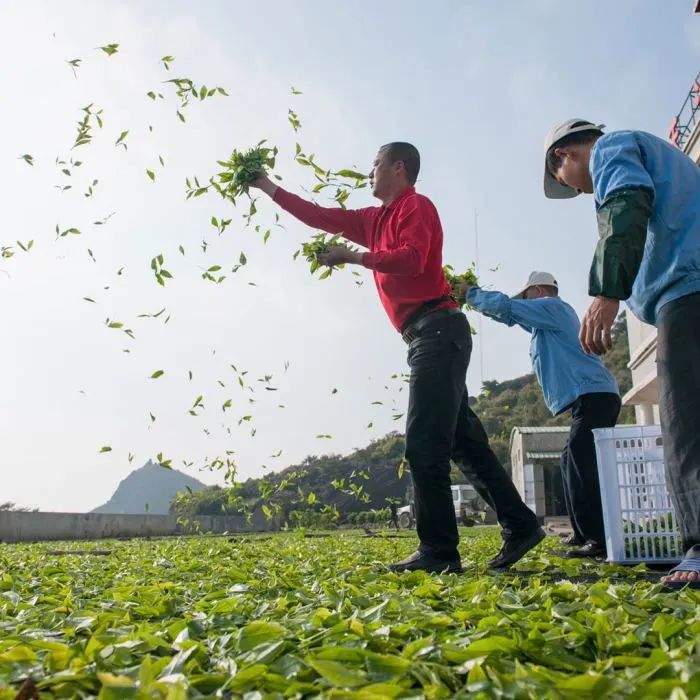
[(400, 198)]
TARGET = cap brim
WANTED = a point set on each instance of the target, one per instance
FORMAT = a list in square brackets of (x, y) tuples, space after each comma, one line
[(553, 189), (521, 293)]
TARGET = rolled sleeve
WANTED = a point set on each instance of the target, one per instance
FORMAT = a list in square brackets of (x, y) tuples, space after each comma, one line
[(622, 227)]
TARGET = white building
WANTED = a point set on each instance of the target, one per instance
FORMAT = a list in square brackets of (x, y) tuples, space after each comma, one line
[(684, 133), (534, 457)]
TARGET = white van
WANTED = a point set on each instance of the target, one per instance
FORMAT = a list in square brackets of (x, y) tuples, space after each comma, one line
[(469, 507)]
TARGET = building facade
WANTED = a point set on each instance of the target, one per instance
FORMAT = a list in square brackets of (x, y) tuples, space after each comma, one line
[(534, 457), (684, 133)]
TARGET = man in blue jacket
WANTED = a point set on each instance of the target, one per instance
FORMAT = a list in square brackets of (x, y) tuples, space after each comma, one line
[(647, 197), (571, 380)]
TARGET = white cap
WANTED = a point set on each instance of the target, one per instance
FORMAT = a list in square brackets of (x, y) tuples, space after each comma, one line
[(546, 279), (552, 187)]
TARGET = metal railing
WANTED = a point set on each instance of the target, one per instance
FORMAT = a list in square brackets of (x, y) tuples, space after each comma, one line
[(688, 117)]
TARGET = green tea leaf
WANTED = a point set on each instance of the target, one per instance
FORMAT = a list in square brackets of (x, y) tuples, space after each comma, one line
[(336, 673), (109, 49), (258, 632)]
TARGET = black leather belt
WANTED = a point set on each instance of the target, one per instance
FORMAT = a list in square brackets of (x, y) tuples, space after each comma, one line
[(414, 330)]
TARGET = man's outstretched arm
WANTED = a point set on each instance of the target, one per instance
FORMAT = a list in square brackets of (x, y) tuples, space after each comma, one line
[(349, 223), (530, 315)]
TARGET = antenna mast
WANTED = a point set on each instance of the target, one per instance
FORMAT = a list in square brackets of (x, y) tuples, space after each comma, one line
[(479, 317)]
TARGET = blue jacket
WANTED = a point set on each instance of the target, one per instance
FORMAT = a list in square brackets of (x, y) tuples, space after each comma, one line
[(562, 368), (670, 266)]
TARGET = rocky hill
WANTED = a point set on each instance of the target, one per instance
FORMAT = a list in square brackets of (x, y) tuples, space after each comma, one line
[(149, 490)]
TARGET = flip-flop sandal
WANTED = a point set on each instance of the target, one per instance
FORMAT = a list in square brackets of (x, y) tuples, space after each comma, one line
[(689, 564)]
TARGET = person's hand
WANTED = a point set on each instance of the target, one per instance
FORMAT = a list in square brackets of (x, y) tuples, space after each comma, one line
[(596, 327), (339, 255), (263, 182), (460, 291)]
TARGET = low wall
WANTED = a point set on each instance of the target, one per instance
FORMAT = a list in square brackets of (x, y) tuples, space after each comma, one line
[(33, 527)]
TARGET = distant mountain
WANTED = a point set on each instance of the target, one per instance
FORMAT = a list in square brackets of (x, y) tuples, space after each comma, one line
[(149, 490)]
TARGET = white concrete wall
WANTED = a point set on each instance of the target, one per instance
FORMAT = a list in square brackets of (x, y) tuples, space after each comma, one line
[(32, 527), (647, 414), (637, 332), (516, 464), (527, 489)]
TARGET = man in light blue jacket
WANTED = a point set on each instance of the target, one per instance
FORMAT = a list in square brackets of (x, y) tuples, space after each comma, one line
[(647, 198), (571, 380)]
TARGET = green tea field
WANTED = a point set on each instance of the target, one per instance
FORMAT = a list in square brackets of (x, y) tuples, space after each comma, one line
[(295, 616)]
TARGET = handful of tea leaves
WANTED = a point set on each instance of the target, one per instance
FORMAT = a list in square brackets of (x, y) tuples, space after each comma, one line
[(239, 172), (319, 244), (241, 169), (456, 280)]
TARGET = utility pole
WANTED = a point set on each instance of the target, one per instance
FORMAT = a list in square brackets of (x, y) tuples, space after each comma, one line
[(479, 317)]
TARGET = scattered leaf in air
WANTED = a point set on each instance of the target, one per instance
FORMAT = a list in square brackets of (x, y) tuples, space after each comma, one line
[(120, 141), (74, 64), (109, 49), (162, 462)]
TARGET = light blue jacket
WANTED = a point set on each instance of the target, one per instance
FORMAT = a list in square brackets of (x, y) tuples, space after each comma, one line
[(562, 368), (670, 266)]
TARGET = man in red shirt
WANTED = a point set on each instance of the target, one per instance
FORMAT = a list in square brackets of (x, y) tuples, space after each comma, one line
[(404, 239)]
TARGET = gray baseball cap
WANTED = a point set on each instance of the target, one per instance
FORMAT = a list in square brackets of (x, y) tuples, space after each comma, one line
[(553, 189), (546, 279)]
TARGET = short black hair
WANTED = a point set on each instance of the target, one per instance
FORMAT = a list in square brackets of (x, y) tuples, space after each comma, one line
[(550, 289), (408, 154), (576, 139)]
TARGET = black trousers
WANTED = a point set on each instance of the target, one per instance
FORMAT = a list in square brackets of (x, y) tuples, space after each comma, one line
[(579, 467), (441, 427), (678, 366)]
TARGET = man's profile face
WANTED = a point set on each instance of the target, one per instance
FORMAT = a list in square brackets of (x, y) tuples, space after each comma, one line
[(574, 168), (383, 173)]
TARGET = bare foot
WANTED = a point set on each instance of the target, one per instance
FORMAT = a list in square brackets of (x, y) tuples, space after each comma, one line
[(681, 577)]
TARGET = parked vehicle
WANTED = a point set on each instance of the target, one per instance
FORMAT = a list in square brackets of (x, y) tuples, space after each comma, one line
[(469, 507)]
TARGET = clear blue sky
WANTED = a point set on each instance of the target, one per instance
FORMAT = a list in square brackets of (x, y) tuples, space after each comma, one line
[(475, 85)]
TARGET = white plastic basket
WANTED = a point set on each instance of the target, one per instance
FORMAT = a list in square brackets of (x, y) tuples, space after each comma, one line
[(640, 522)]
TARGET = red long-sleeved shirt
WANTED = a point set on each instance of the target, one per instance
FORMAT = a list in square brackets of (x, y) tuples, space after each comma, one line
[(405, 243)]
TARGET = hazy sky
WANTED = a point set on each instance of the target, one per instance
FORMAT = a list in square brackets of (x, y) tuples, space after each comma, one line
[(475, 85)]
